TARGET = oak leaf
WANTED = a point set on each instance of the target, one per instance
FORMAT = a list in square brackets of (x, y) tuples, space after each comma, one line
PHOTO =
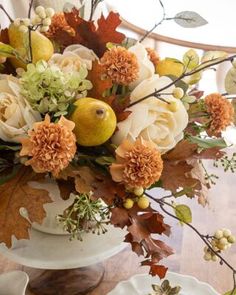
[(95, 38), (99, 85), (17, 194), (183, 150), (177, 175)]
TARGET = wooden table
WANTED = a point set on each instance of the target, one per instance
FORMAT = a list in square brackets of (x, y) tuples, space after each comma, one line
[(189, 248)]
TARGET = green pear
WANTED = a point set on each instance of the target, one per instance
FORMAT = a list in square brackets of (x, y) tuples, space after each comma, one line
[(42, 48)]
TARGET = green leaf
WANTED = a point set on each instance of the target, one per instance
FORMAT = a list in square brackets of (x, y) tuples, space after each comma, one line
[(6, 50), (183, 213), (213, 55), (10, 147), (156, 184), (191, 59), (179, 83), (189, 19), (207, 143), (230, 81), (9, 174), (105, 161), (230, 293)]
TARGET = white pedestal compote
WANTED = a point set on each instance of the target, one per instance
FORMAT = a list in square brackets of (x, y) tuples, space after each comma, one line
[(58, 266)]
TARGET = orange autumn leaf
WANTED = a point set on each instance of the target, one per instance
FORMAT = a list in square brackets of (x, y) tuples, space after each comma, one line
[(17, 194), (99, 85), (95, 37)]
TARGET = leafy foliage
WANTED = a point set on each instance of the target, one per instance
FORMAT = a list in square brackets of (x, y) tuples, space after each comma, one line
[(189, 19), (17, 194), (184, 214), (87, 34)]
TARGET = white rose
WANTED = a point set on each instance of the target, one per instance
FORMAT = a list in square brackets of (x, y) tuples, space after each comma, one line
[(152, 119), (16, 115), (146, 67), (73, 57)]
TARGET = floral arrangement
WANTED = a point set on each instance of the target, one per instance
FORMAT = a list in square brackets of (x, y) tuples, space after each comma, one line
[(108, 120)]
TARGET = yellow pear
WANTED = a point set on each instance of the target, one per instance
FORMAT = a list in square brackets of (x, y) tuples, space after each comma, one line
[(95, 121), (42, 47)]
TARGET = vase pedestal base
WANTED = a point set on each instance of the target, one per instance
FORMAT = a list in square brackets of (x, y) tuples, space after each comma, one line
[(65, 282)]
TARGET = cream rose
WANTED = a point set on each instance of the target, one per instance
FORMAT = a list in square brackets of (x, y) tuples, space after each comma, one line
[(73, 57), (152, 119), (146, 67), (16, 115)]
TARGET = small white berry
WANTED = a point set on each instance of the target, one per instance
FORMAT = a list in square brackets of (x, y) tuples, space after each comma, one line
[(231, 239), (207, 256), (226, 233), (44, 29), (39, 9), (36, 20), (47, 21), (49, 12), (214, 258), (178, 92), (17, 22), (223, 241), (26, 21), (218, 234), (23, 29), (42, 14)]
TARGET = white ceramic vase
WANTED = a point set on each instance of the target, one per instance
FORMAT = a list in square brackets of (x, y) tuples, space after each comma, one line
[(50, 224), (13, 283)]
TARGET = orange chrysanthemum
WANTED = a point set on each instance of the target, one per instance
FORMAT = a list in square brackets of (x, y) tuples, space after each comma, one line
[(51, 146), (138, 164), (120, 65), (58, 24), (221, 113), (153, 56)]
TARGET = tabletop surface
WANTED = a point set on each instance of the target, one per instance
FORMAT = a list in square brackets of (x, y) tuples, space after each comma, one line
[(188, 247), (220, 15)]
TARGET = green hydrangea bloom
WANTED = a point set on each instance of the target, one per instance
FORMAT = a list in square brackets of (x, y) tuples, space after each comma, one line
[(49, 90)]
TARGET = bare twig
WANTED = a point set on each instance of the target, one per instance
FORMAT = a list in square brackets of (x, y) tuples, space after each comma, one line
[(204, 238), (186, 74), (157, 24), (7, 14), (30, 31)]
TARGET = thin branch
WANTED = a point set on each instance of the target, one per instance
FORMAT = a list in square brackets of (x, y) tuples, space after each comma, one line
[(156, 25), (30, 8), (30, 31), (196, 70), (204, 238), (7, 14)]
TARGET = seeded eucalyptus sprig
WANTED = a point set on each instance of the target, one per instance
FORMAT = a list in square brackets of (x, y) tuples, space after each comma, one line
[(84, 215), (227, 163)]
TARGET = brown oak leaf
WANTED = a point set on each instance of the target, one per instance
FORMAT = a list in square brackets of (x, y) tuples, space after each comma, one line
[(17, 194), (95, 38), (183, 150), (177, 175)]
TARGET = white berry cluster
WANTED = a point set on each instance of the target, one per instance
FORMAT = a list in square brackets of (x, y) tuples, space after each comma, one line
[(42, 20), (222, 240)]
